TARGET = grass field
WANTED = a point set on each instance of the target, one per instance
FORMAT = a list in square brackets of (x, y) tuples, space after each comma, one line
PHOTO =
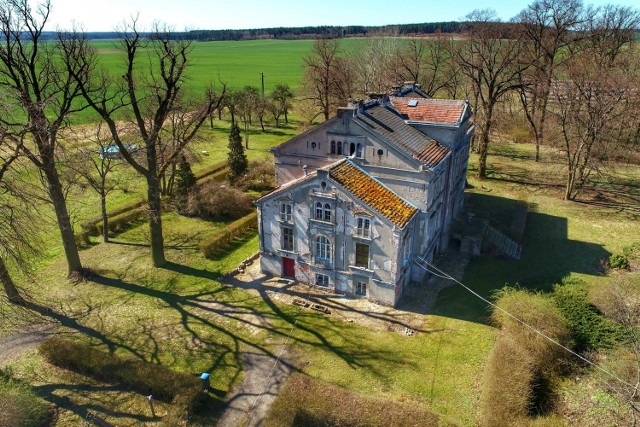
[(182, 317), (237, 63)]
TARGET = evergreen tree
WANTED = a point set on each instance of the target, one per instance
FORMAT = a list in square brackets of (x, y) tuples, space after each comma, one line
[(185, 182), (185, 179), (237, 158)]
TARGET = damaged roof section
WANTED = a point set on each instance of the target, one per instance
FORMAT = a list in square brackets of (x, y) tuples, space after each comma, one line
[(391, 126), (372, 192)]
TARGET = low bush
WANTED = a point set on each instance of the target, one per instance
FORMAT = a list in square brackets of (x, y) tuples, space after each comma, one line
[(306, 402), (222, 239), (589, 329), (19, 405), (215, 201), (185, 391), (619, 261), (261, 176)]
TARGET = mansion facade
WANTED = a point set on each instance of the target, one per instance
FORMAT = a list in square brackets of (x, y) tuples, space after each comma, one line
[(363, 195)]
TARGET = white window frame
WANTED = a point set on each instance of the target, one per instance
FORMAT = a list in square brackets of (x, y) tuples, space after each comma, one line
[(286, 212), (293, 239), (323, 248), (361, 289), (363, 227), (322, 280)]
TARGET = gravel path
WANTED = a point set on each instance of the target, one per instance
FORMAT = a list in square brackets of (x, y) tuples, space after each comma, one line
[(250, 401), (13, 345)]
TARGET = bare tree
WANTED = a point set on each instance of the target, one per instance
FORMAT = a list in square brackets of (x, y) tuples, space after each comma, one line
[(372, 63), (281, 99), (149, 96), (428, 61), (550, 27), (597, 105), (12, 238), (41, 92), (491, 59), (95, 163), (248, 99), (327, 79)]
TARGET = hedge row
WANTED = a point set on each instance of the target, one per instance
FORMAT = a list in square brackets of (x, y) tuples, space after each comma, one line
[(219, 241), (90, 225), (185, 391), (210, 170), (122, 221), (307, 402)]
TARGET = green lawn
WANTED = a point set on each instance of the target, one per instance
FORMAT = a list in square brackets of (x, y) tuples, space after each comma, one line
[(181, 316)]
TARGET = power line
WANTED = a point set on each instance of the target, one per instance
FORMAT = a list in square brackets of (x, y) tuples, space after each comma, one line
[(445, 275)]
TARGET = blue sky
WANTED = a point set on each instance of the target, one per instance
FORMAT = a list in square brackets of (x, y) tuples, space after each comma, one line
[(105, 15)]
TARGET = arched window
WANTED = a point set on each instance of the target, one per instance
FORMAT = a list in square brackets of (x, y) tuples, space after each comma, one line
[(352, 149), (327, 212), (339, 152), (333, 147), (319, 211), (359, 150), (323, 248)]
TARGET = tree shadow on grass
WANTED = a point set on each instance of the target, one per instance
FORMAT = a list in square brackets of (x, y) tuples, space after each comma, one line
[(89, 411), (548, 256)]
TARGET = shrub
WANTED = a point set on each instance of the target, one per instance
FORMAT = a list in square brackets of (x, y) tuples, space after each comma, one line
[(589, 329), (307, 402), (215, 201), (221, 240), (164, 384), (19, 405), (260, 177), (619, 261)]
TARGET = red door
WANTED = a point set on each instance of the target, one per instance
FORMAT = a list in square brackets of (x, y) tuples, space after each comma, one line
[(288, 267)]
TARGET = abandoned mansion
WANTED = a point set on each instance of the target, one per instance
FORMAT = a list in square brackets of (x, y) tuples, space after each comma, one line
[(363, 195)]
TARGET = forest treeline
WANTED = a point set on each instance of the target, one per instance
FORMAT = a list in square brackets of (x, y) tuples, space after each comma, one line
[(298, 33)]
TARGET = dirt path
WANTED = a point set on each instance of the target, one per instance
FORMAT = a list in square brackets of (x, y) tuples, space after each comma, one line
[(250, 401), (13, 345)]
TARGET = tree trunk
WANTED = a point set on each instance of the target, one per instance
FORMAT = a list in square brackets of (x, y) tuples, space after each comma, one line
[(62, 215), (568, 195), (105, 219), (286, 119), (155, 221), (483, 146), (9, 287)]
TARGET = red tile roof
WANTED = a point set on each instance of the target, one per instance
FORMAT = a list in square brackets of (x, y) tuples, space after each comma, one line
[(430, 110), (372, 192)]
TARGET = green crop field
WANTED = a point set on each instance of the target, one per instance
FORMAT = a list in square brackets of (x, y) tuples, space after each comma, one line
[(237, 63)]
